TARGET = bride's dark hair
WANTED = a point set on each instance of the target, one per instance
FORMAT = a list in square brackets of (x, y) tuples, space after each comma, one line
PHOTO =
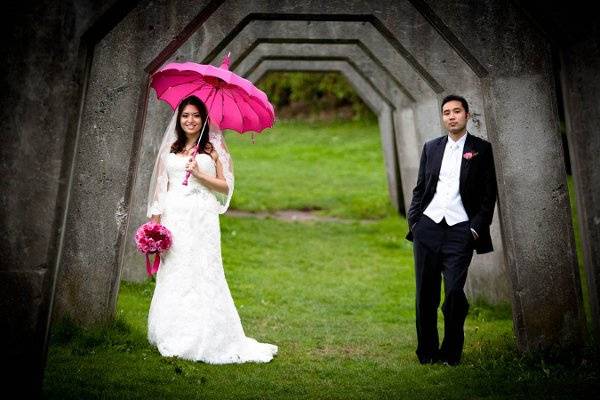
[(205, 145)]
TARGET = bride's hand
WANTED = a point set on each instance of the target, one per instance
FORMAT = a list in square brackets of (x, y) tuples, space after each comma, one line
[(192, 166)]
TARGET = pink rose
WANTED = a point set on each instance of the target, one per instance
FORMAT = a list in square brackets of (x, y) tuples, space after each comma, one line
[(152, 238), (469, 154)]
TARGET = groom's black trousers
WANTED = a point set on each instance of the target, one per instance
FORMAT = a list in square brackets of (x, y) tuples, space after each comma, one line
[(439, 250)]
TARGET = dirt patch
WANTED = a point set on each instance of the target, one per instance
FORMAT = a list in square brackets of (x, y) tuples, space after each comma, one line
[(290, 215)]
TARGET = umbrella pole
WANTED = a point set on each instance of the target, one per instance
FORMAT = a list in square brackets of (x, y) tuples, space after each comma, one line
[(188, 173)]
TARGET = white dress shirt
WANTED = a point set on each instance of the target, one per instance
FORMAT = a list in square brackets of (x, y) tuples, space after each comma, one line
[(446, 202)]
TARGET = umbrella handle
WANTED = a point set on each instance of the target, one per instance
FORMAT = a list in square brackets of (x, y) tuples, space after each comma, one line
[(187, 176), (188, 173)]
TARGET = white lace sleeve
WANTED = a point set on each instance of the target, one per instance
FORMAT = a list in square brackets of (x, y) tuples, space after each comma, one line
[(159, 183), (218, 141)]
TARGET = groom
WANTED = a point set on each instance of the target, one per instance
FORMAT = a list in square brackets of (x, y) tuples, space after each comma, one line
[(449, 217)]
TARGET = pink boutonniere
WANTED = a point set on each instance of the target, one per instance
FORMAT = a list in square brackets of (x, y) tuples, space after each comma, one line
[(469, 154)]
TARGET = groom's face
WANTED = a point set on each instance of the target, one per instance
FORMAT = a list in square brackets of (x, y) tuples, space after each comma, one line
[(455, 117)]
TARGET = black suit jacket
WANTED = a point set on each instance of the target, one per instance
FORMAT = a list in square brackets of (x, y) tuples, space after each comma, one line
[(477, 186)]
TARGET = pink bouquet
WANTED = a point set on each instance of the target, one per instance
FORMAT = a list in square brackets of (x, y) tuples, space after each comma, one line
[(152, 238)]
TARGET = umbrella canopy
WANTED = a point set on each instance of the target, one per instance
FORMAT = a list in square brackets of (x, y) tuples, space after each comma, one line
[(232, 101)]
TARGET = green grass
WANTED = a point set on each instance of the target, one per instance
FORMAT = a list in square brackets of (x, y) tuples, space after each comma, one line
[(338, 299), (580, 259), (336, 168)]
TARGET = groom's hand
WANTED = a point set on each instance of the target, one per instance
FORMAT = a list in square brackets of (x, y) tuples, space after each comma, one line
[(475, 235), (412, 226)]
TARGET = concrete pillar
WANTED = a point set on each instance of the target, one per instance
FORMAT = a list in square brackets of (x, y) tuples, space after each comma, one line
[(535, 212), (105, 159), (41, 73), (581, 91)]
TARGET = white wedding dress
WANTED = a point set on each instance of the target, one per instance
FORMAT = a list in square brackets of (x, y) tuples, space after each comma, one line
[(192, 314)]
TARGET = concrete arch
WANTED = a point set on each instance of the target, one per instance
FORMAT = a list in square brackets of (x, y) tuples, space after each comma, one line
[(371, 72), (368, 33), (488, 279), (445, 52), (483, 70), (368, 90), (380, 106)]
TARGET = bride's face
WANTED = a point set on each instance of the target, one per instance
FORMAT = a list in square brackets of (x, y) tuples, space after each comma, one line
[(190, 120)]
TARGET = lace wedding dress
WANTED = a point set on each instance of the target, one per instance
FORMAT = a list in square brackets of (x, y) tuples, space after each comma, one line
[(192, 314)]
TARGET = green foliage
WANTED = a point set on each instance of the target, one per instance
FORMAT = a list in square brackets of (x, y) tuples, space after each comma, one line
[(305, 95)]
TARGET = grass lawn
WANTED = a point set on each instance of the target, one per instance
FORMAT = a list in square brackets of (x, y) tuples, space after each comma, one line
[(338, 298), (579, 249), (336, 169)]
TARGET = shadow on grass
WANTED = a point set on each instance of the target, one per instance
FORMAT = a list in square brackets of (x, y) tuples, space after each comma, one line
[(113, 361), (482, 311), (116, 335)]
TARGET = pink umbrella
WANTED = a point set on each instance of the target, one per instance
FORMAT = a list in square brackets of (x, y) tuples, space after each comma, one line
[(232, 101)]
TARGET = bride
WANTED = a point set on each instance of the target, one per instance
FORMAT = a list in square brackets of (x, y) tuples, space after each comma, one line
[(192, 314)]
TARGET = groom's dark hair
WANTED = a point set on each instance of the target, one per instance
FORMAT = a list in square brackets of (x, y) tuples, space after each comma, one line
[(456, 97)]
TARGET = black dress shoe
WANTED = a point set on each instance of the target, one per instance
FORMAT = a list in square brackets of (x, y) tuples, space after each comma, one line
[(426, 360), (451, 363), (429, 360)]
